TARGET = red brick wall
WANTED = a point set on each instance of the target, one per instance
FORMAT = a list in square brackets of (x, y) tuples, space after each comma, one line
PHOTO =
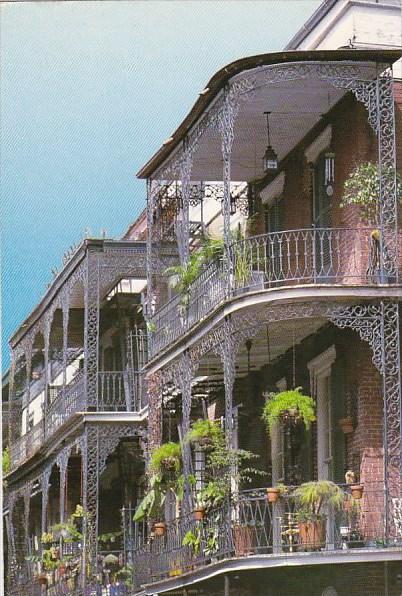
[(353, 142)]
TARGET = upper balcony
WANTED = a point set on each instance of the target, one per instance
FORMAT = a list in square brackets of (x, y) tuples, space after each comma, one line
[(329, 114), (259, 264), (82, 349)]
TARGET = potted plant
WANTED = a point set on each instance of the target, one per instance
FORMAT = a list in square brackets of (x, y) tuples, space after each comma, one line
[(346, 424), (275, 492), (199, 509), (356, 491), (183, 276), (288, 405), (166, 458), (313, 498), (362, 188), (159, 528), (204, 433)]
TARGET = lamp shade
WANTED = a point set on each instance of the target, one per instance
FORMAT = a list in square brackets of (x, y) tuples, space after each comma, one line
[(270, 160)]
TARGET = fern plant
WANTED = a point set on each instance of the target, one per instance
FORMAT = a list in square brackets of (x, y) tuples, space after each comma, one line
[(166, 457), (204, 431), (314, 496), (292, 403)]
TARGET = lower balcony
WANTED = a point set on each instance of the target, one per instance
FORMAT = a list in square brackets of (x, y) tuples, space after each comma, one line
[(312, 256), (251, 526)]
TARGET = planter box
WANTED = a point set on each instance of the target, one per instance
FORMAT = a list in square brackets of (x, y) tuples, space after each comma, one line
[(312, 534)]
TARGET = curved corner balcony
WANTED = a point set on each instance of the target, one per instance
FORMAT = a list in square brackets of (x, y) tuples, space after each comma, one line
[(251, 532), (308, 257)]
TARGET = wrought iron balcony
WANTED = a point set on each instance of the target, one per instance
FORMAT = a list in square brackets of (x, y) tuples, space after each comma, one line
[(251, 526), (315, 256), (117, 392)]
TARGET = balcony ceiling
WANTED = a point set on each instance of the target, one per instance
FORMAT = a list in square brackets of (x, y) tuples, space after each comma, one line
[(263, 351), (296, 107)]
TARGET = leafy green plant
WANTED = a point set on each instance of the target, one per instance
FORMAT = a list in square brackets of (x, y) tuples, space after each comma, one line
[(204, 430), (6, 461), (151, 326), (193, 540), (313, 496), (183, 276), (67, 530), (291, 402), (152, 502), (47, 538), (109, 538), (212, 544), (125, 574), (166, 457), (362, 188)]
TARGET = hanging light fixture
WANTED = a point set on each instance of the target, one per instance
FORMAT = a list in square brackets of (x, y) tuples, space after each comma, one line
[(270, 159), (329, 172), (232, 204)]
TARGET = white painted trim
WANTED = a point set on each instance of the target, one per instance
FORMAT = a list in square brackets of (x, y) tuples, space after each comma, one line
[(321, 365)]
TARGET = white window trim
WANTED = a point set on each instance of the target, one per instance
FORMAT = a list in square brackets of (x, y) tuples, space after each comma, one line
[(320, 372)]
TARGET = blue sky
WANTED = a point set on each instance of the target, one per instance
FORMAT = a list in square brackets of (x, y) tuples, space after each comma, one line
[(89, 90)]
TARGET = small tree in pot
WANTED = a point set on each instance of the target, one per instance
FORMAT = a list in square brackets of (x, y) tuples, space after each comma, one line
[(314, 499)]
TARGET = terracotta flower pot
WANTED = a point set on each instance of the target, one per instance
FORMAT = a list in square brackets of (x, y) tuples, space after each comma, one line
[(272, 495), (42, 579), (160, 528), (199, 513), (346, 425), (357, 491), (312, 534)]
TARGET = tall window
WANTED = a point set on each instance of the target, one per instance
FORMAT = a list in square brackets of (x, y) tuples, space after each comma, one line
[(320, 371)]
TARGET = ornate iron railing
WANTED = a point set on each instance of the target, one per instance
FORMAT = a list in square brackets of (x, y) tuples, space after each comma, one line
[(117, 391), (26, 445), (182, 312), (345, 256), (120, 391), (250, 525), (67, 402)]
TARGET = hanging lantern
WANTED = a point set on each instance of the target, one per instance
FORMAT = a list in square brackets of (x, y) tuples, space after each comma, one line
[(232, 204), (270, 159), (329, 172)]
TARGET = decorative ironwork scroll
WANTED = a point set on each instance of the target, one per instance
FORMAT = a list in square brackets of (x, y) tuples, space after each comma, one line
[(91, 330), (62, 463), (98, 443), (45, 493)]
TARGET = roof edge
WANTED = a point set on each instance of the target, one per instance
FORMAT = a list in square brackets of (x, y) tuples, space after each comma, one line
[(222, 76)]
